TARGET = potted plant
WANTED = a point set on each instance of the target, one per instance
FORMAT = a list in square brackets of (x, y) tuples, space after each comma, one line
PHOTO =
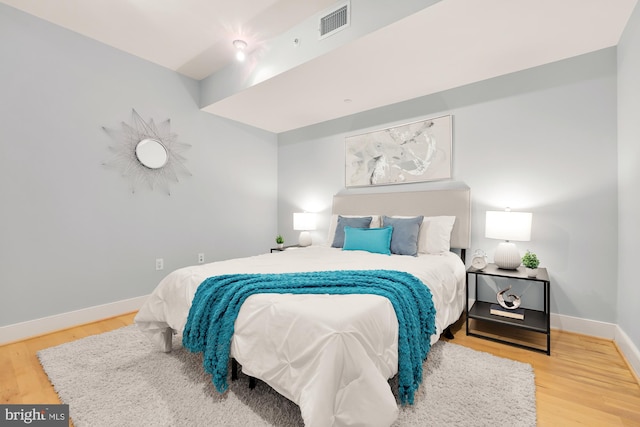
[(280, 241), (531, 263)]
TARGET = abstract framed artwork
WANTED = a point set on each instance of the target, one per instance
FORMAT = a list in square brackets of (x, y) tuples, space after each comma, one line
[(413, 152)]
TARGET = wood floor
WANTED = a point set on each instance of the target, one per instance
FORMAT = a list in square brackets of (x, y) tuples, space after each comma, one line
[(584, 382)]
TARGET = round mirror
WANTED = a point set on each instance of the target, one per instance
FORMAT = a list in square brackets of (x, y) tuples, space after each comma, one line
[(151, 153)]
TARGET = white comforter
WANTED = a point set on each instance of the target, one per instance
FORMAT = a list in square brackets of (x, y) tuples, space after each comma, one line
[(330, 354)]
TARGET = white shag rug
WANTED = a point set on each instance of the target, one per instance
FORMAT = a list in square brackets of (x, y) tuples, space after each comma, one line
[(118, 378)]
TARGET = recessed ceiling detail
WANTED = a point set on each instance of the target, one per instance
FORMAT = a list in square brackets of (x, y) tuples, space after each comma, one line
[(449, 44), (391, 51)]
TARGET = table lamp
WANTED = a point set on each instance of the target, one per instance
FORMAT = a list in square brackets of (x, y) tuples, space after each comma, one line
[(304, 222), (506, 225)]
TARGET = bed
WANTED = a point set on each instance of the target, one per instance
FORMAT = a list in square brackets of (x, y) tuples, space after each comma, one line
[(331, 354)]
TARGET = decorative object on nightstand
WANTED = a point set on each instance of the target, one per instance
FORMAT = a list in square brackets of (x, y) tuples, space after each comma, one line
[(279, 241), (508, 301), (531, 263), (479, 260), (498, 310), (304, 222), (508, 226)]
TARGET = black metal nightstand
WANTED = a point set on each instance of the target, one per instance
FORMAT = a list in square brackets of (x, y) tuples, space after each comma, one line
[(537, 321), (284, 248)]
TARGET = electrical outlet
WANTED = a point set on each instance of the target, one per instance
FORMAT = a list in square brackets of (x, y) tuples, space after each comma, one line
[(200, 258), (159, 263)]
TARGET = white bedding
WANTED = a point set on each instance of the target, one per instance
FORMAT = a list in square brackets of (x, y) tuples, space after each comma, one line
[(330, 354)]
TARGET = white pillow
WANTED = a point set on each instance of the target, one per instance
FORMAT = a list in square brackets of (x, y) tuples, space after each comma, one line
[(434, 236), (333, 223)]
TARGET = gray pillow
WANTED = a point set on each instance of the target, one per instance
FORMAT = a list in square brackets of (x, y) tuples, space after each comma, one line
[(404, 240), (358, 222)]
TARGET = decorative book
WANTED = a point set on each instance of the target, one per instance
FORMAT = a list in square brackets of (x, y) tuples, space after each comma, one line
[(498, 310)]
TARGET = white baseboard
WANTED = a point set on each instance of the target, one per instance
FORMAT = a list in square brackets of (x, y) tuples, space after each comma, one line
[(629, 350), (593, 328), (23, 330)]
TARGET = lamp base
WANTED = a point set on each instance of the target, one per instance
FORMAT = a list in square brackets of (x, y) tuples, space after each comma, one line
[(507, 256), (304, 239)]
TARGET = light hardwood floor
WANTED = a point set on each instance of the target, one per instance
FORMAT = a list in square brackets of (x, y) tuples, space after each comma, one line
[(584, 382)]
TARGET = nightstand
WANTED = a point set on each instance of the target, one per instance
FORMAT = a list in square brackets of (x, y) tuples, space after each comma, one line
[(502, 329), (282, 249)]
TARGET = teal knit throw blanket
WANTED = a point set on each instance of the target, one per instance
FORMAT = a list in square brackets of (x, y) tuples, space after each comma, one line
[(210, 324)]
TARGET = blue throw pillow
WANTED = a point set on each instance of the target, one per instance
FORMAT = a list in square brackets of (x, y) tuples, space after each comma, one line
[(376, 240), (404, 240), (358, 222)]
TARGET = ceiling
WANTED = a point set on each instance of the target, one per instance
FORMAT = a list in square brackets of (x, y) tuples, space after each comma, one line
[(192, 37), (446, 45)]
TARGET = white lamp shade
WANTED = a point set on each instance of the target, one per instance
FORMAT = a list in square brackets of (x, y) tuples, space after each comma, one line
[(506, 225), (304, 221)]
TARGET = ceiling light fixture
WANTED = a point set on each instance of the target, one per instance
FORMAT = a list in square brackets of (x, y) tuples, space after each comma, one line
[(240, 46)]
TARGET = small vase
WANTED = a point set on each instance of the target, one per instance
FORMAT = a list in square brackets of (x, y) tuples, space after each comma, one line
[(532, 272), (280, 245)]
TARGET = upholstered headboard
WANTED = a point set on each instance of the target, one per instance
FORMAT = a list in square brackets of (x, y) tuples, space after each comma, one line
[(455, 202)]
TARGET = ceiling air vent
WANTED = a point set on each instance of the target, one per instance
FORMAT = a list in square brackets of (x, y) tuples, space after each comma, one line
[(336, 20)]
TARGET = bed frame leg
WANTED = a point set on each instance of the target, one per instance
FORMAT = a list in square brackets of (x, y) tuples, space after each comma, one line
[(234, 374), (447, 333), (166, 340), (234, 370)]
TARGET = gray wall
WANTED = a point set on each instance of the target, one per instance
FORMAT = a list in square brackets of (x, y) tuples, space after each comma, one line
[(72, 234), (542, 140), (629, 176)]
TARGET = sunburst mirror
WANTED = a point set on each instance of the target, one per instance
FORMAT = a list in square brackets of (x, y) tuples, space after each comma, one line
[(147, 154)]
